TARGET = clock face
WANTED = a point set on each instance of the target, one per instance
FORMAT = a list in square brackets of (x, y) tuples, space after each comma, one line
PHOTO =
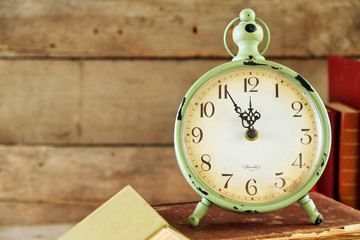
[(252, 136)]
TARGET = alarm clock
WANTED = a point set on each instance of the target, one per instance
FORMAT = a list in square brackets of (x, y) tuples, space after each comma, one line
[(251, 135)]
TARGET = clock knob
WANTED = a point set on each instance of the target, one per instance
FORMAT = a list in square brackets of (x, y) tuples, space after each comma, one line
[(247, 14), (247, 35)]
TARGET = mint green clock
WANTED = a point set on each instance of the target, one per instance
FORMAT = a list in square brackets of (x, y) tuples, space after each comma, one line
[(251, 135)]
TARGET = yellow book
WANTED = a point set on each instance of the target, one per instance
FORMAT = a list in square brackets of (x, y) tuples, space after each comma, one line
[(125, 216)]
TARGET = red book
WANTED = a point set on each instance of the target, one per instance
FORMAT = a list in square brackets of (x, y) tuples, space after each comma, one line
[(344, 81), (327, 184), (349, 154)]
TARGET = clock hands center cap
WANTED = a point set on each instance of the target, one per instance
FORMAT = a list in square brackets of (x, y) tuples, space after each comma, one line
[(251, 134)]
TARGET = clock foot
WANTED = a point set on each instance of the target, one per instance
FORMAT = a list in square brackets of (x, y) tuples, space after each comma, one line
[(309, 207), (201, 209)]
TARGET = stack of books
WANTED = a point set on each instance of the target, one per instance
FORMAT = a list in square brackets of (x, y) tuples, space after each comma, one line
[(341, 178)]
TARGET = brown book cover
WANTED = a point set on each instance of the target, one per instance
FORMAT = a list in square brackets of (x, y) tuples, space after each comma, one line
[(340, 222), (349, 154)]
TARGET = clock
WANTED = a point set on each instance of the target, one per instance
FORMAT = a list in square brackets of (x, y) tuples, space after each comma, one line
[(251, 135)]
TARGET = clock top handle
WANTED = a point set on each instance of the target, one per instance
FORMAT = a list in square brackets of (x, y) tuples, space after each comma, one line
[(247, 35)]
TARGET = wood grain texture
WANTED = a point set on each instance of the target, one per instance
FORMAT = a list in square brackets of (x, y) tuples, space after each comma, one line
[(172, 28), (105, 102), (35, 232), (64, 184), (25, 214)]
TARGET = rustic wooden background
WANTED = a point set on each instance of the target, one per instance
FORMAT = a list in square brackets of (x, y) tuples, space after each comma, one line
[(89, 91)]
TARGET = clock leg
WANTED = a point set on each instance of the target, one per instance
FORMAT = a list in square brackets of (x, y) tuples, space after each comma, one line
[(201, 209), (309, 207)]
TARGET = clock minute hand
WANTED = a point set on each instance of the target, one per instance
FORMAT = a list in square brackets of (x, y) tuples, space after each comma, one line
[(237, 108)]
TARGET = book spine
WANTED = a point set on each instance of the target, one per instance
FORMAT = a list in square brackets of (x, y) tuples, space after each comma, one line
[(349, 152)]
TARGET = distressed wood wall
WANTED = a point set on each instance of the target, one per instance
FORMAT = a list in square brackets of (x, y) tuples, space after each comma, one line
[(89, 91)]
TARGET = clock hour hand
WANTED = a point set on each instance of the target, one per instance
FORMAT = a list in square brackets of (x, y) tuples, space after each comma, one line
[(250, 116)]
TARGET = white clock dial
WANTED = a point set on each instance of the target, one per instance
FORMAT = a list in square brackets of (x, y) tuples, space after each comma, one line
[(252, 169)]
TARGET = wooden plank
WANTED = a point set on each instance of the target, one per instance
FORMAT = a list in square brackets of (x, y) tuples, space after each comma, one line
[(37, 232), (90, 174), (64, 184), (105, 102), (22, 214), (35, 94), (172, 28)]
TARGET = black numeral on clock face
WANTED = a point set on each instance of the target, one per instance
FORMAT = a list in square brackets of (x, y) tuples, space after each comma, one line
[(250, 84), (207, 109), (223, 93), (251, 189), (276, 90), (205, 165), (227, 181), (196, 132), (279, 181), (307, 138), (297, 106), (298, 161)]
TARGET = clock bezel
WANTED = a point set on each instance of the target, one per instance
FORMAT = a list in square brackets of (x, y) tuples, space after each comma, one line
[(244, 207)]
